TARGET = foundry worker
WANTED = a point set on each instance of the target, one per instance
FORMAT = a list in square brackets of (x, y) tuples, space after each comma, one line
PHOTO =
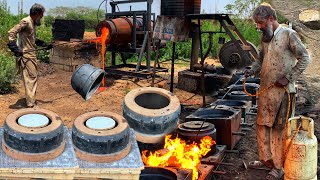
[(23, 42), (283, 57)]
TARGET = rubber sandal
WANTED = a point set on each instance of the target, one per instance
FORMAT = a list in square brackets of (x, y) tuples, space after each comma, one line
[(258, 165), (275, 174)]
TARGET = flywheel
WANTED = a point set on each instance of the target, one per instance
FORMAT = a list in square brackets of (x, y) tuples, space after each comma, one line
[(231, 58)]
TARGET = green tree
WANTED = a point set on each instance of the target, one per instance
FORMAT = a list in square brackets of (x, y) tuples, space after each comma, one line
[(7, 21), (7, 73), (242, 8), (89, 15), (7, 62)]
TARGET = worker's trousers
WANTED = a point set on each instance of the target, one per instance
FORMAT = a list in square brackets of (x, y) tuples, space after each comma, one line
[(29, 70), (271, 140)]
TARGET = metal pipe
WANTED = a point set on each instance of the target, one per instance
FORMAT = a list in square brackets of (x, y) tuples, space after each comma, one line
[(155, 62), (149, 30), (142, 51), (209, 48), (202, 74), (134, 31), (172, 66), (195, 46), (202, 67)]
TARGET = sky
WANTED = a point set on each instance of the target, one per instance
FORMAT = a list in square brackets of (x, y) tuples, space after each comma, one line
[(209, 6)]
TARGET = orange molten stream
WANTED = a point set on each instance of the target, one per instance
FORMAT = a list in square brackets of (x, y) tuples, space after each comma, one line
[(102, 40), (179, 154)]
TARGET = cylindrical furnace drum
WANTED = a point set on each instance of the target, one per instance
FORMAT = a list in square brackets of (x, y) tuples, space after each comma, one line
[(121, 30)]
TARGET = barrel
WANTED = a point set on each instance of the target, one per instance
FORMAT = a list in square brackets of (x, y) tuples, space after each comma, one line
[(180, 7), (86, 80), (302, 152)]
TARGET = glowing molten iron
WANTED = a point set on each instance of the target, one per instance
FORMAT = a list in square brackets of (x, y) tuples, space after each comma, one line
[(102, 40), (179, 154)]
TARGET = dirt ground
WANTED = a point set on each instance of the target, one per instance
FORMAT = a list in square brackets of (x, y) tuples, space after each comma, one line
[(56, 94)]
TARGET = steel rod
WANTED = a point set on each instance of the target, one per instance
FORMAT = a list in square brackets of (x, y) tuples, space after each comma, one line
[(142, 50), (155, 62), (172, 65)]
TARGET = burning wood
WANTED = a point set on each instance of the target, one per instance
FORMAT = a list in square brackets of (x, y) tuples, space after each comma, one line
[(178, 153)]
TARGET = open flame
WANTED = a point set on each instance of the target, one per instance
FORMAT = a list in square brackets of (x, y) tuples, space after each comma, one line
[(102, 40), (178, 153)]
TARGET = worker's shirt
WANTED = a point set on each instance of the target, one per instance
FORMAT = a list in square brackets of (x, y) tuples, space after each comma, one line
[(284, 55), (24, 34)]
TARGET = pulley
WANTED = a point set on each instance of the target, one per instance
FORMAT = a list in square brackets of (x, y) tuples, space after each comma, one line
[(232, 58)]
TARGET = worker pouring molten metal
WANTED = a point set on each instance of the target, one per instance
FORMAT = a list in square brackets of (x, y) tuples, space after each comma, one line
[(25, 50)]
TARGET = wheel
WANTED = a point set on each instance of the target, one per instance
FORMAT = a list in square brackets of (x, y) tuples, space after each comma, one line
[(27, 138), (151, 112), (101, 136), (230, 57)]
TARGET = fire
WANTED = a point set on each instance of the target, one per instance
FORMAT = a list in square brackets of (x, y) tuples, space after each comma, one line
[(179, 154), (102, 40)]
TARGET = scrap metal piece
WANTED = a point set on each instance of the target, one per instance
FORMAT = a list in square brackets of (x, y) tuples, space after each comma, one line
[(245, 165)]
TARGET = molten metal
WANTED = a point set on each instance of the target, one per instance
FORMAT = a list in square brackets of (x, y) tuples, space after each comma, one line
[(103, 41), (179, 154)]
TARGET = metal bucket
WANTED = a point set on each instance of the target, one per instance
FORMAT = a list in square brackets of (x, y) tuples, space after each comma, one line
[(86, 80)]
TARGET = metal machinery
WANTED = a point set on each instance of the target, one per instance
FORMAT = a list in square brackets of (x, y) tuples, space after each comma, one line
[(235, 54), (129, 32)]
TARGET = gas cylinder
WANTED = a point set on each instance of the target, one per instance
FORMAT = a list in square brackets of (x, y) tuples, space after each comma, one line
[(301, 157)]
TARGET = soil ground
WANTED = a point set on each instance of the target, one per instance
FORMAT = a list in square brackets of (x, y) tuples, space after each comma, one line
[(56, 94)]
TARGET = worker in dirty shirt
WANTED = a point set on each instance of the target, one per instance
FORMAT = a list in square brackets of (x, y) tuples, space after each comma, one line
[(283, 57), (23, 43)]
